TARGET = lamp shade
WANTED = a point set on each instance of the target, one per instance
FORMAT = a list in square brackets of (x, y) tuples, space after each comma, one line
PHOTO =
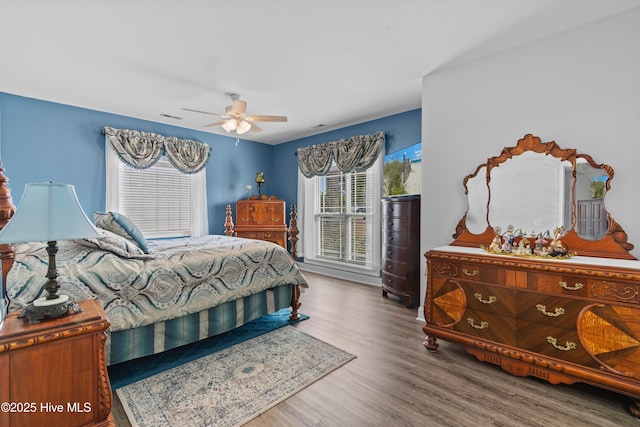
[(48, 212)]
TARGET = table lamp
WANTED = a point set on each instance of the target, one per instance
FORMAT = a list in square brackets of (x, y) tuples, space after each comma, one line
[(260, 181), (48, 212)]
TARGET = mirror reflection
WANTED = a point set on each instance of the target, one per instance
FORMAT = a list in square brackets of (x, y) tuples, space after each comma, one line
[(532, 192), (478, 199), (538, 189), (590, 189)]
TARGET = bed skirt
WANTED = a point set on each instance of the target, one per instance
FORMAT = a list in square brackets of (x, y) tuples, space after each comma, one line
[(151, 339)]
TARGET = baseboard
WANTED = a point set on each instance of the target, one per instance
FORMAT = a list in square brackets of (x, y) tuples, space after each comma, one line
[(340, 274)]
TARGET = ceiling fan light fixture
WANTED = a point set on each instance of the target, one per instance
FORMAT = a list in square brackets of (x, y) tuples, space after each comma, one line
[(243, 127), (230, 125)]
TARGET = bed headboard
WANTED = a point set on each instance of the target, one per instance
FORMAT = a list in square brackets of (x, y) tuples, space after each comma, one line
[(7, 209)]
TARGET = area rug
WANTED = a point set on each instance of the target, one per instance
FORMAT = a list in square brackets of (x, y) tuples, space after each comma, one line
[(234, 385), (122, 374)]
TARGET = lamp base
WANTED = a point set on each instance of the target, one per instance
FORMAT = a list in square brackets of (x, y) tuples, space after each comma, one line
[(43, 308)]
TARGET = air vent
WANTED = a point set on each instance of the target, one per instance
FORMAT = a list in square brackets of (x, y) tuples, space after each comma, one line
[(169, 116)]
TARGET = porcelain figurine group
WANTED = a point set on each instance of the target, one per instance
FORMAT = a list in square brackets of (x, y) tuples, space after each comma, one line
[(514, 242)]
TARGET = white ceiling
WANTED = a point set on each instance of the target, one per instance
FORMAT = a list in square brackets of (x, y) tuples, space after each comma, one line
[(330, 62)]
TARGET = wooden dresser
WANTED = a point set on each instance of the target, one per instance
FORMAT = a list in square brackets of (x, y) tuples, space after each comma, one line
[(54, 373), (564, 309), (401, 248), (262, 219), (559, 320)]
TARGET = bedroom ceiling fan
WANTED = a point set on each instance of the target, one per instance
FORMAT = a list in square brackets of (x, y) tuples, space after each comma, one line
[(235, 117)]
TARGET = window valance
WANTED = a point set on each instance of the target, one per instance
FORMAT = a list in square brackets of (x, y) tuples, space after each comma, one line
[(357, 153), (141, 150)]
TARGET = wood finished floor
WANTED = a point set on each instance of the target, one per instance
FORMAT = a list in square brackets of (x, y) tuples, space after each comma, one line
[(395, 381)]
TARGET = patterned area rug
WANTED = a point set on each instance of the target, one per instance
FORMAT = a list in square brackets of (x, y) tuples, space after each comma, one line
[(234, 385), (125, 373)]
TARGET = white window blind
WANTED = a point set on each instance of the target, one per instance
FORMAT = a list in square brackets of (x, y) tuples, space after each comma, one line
[(346, 224), (158, 199)]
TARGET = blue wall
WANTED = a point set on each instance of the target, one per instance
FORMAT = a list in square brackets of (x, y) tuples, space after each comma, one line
[(46, 141)]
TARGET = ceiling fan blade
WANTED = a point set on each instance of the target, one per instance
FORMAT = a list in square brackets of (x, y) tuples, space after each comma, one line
[(266, 118), (203, 112), (214, 124), (255, 128)]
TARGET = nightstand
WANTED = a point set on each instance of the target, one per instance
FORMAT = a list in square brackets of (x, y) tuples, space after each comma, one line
[(54, 373)]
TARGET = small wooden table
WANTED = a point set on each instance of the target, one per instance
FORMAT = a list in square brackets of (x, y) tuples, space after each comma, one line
[(54, 373)]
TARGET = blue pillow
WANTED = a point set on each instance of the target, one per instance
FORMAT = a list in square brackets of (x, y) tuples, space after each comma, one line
[(116, 244), (122, 226)]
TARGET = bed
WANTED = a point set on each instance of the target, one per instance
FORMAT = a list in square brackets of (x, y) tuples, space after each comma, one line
[(171, 293)]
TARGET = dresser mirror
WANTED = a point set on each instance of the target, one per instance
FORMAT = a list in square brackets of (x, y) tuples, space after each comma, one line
[(537, 187)]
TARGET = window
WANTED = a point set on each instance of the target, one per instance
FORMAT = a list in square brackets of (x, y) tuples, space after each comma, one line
[(156, 199), (342, 219), (160, 200)]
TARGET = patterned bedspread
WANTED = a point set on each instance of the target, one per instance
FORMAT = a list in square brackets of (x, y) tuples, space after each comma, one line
[(181, 276)]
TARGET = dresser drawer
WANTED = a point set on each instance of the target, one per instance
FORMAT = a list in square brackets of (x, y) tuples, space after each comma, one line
[(558, 284), (394, 253), (488, 326), (397, 268), (397, 239), (549, 310), (396, 209), (467, 271), (555, 342), (490, 299), (397, 284), (396, 224), (277, 237), (260, 212)]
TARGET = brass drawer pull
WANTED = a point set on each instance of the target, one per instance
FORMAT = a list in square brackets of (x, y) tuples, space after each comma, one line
[(482, 325), (571, 288), (569, 344), (491, 299), (543, 309), (470, 273)]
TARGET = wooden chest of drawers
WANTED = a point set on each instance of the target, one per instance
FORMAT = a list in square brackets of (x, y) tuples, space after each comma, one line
[(262, 219), (401, 248), (559, 320)]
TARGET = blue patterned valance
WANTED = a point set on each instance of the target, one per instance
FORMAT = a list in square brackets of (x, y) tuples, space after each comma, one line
[(141, 150), (357, 153)]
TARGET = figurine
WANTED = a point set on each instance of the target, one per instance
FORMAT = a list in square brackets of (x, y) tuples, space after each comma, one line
[(540, 246), (556, 247), (496, 244)]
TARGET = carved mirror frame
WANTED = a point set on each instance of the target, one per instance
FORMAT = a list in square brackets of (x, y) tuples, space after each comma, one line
[(614, 244)]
